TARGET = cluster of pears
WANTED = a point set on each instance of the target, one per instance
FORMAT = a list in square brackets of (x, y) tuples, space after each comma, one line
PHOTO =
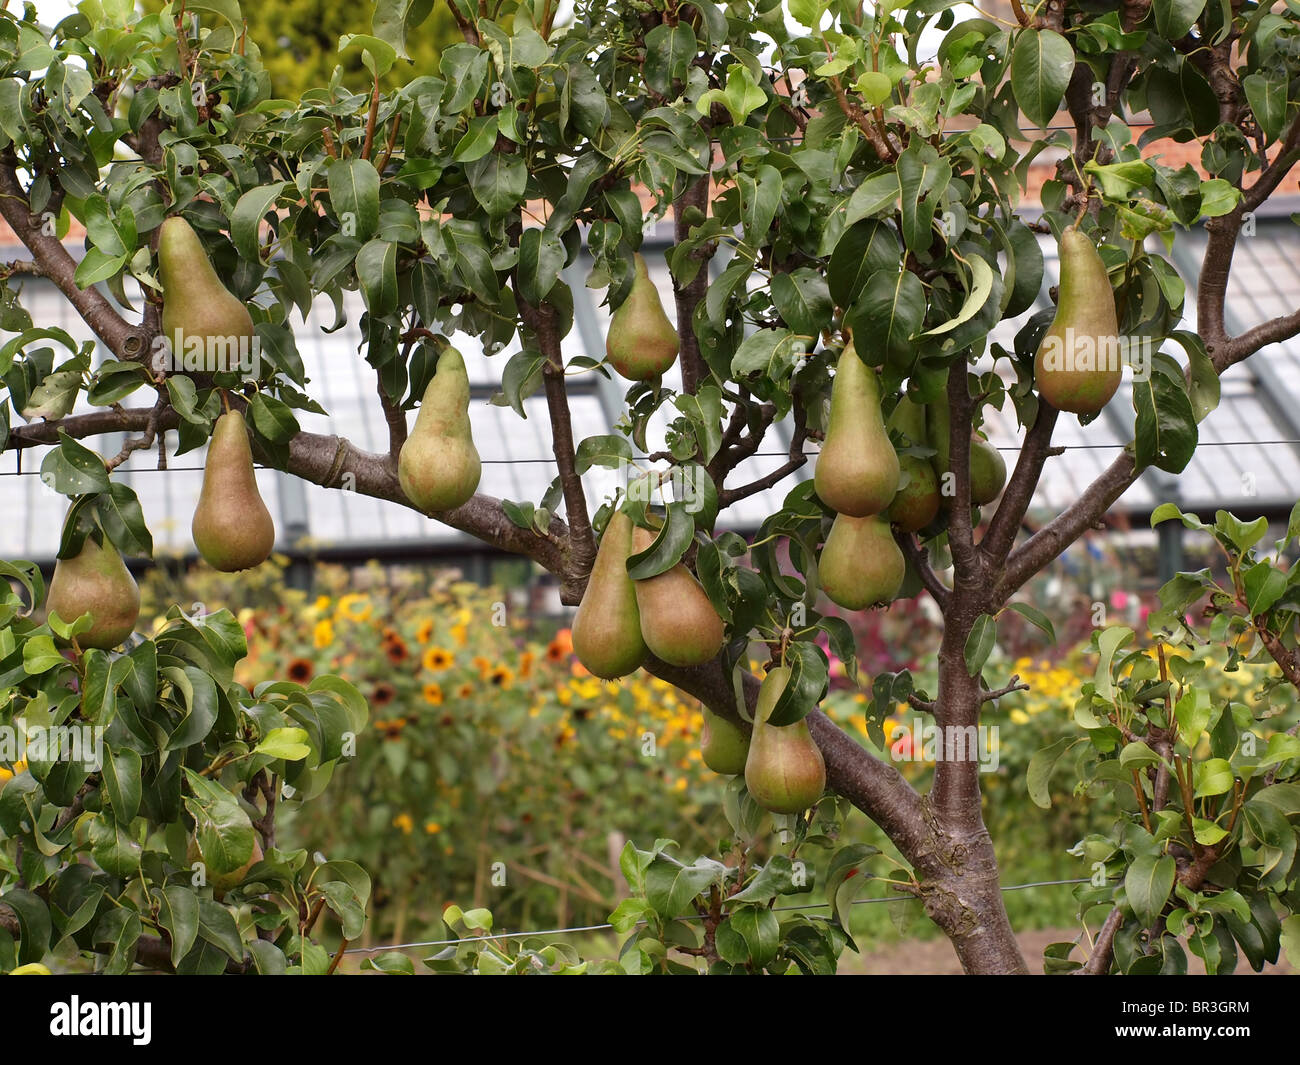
[(857, 476), (642, 343), (620, 621), (232, 528), (784, 770), (439, 467)]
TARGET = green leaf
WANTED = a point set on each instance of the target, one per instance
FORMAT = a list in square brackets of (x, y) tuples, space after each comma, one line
[(246, 219), (122, 519), (178, 913), (1036, 618), (354, 195), (669, 51), (498, 182), (1165, 432), (886, 316), (979, 643), (377, 273), (671, 886), (750, 935), (73, 469), (1212, 777), (1042, 63), (863, 249), (394, 20), (803, 300), (1264, 587), (217, 926), (878, 193), (1174, 18), (1204, 388), (541, 258), (668, 548), (609, 451), (287, 743), (123, 781), (922, 177), (1218, 198), (479, 139), (1266, 93), (980, 288), (806, 686), (1192, 712), (1041, 766), (222, 828), (1147, 885)]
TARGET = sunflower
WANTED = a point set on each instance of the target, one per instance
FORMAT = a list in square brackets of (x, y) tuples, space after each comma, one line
[(465, 691), (561, 647), (425, 632), (433, 694), (383, 694), (301, 670), (436, 659), (323, 633), (396, 651), (501, 677), (355, 607)]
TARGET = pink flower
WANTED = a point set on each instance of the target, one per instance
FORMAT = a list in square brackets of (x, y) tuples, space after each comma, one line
[(1119, 599)]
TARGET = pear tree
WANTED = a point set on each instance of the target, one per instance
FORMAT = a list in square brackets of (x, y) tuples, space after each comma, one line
[(845, 188)]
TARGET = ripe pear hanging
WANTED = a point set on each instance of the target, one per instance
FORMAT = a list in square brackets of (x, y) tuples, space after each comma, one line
[(784, 772), (857, 469), (200, 316), (642, 343), (232, 528), (861, 564), (724, 746), (96, 582), (607, 628), (678, 622), (1077, 367), (439, 467)]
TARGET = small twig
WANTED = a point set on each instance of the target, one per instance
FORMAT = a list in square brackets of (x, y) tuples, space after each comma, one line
[(1103, 950)]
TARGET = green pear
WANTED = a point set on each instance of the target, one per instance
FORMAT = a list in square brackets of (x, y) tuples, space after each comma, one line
[(197, 307), (724, 745), (861, 564), (607, 628), (232, 528), (988, 472), (784, 771), (678, 622), (96, 582), (223, 882), (916, 504), (439, 467), (642, 343), (1077, 367), (857, 469)]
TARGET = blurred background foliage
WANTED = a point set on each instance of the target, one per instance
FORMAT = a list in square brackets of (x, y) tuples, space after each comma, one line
[(299, 43)]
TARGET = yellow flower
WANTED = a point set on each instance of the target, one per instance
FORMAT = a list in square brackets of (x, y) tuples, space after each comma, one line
[(501, 677), (460, 634), (433, 828), (436, 659), (322, 604), (465, 691), (433, 694), (1019, 717), (424, 632), (405, 823), (355, 607), (483, 666), (323, 633), (679, 784)]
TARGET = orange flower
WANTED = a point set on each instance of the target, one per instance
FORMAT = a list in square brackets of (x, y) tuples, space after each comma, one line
[(501, 677), (483, 666), (383, 694), (433, 694), (301, 670), (561, 647), (465, 691), (396, 650), (526, 661), (425, 632), (460, 634), (436, 659), (405, 822)]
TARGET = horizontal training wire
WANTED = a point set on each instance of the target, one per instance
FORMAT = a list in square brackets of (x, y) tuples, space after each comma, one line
[(685, 917), (645, 458)]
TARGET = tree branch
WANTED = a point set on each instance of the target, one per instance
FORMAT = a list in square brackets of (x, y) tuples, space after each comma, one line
[(797, 459), (1098, 964), (919, 557), (54, 262), (1019, 492), (687, 298)]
